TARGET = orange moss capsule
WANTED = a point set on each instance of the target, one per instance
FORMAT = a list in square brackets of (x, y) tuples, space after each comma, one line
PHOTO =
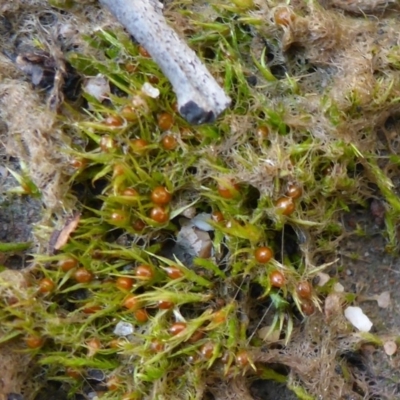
[(161, 196), (119, 170), (156, 346), (82, 275), (93, 345), (174, 272), (242, 358), (129, 113), (284, 16), (141, 315), (304, 289), (143, 52), (217, 216), (138, 225), (131, 302), (177, 328), (207, 350), (78, 163), (116, 343), (107, 143), (165, 121), (93, 309), (219, 317), (277, 279), (263, 254), (153, 79), (144, 272), (46, 285), (130, 192), (113, 383), (73, 373), (114, 121), (165, 305), (285, 206), (262, 132), (169, 142), (199, 334), (67, 264), (124, 283), (307, 307), (159, 214), (34, 342), (119, 217), (139, 146), (228, 190), (294, 191), (131, 68)]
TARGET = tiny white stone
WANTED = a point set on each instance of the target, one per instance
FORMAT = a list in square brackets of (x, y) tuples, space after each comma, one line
[(200, 222), (123, 329), (98, 87), (150, 90), (390, 347), (323, 278), (358, 319), (338, 287), (383, 300)]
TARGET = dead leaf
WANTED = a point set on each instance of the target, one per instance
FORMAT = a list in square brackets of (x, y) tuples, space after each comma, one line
[(60, 238)]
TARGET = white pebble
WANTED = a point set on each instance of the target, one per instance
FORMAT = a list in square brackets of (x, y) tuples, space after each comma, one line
[(123, 329), (358, 319), (200, 222), (383, 300), (150, 90), (390, 347), (98, 87)]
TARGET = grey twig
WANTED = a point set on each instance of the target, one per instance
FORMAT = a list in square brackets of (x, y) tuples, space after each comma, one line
[(200, 98)]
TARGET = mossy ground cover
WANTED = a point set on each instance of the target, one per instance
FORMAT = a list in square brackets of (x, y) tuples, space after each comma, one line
[(312, 133)]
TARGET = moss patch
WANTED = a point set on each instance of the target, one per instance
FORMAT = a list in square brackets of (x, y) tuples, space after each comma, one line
[(174, 298)]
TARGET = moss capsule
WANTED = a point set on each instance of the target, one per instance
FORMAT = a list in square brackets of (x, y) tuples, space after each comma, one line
[(284, 16), (67, 264), (34, 342), (263, 254), (277, 279), (139, 146), (131, 302), (161, 196), (177, 328), (159, 214), (207, 350), (169, 142), (304, 289), (307, 307), (294, 191), (242, 358), (144, 272), (124, 283), (174, 272), (228, 190), (165, 121), (82, 275), (114, 121), (285, 206), (46, 285), (141, 315)]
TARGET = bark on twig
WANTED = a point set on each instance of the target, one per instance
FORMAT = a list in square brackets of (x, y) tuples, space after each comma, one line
[(200, 98)]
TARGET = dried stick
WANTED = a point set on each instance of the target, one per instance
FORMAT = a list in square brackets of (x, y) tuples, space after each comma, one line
[(200, 98)]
